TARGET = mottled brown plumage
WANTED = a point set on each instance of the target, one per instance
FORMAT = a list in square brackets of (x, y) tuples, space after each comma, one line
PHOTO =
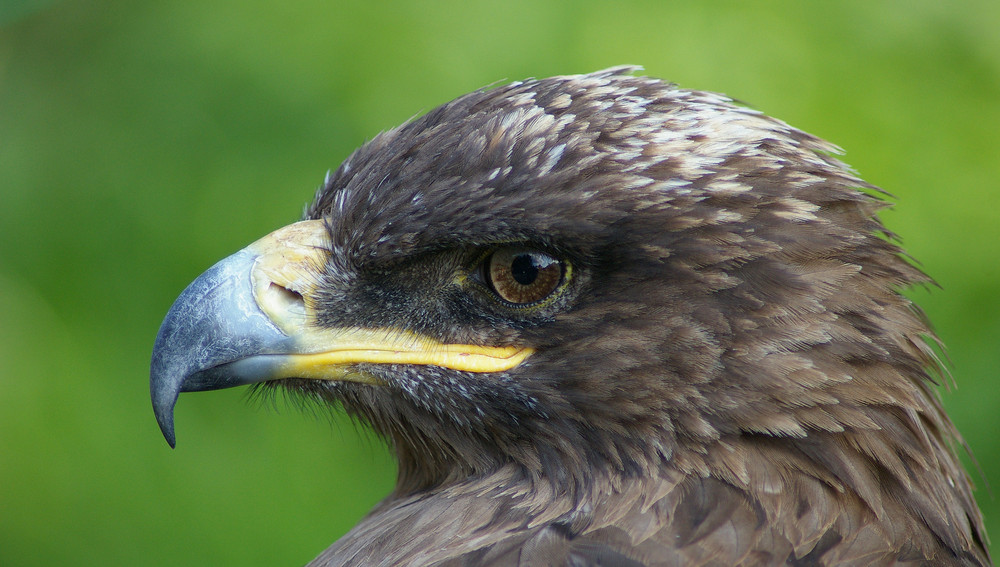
[(726, 373)]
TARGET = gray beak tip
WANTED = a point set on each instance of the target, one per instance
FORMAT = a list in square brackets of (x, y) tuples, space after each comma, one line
[(164, 399), (166, 422), (169, 436)]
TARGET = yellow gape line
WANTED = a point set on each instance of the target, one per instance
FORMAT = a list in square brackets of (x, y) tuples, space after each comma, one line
[(331, 364)]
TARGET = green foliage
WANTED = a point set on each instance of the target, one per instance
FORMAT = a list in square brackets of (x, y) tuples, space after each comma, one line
[(140, 142)]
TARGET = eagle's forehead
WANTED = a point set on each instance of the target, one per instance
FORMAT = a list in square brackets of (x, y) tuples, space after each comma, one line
[(556, 154)]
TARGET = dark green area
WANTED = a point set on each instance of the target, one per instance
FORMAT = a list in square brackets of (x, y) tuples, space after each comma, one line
[(141, 142)]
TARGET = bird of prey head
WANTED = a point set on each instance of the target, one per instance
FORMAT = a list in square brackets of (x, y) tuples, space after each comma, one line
[(601, 320)]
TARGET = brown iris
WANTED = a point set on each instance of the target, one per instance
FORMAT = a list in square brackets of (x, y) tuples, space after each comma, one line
[(522, 276)]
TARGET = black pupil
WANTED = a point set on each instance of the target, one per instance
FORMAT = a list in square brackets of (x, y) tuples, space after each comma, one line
[(524, 269)]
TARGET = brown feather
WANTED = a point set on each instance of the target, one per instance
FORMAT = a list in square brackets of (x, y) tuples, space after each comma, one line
[(732, 377)]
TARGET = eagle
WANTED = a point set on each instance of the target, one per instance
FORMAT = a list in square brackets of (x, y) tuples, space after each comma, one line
[(604, 320)]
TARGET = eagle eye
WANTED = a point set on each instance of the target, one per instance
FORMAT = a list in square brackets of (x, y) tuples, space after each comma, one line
[(522, 276)]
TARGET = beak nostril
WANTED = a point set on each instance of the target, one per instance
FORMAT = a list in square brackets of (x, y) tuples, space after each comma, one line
[(284, 306), (284, 299)]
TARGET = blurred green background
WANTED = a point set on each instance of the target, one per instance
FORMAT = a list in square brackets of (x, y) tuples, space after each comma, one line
[(142, 141)]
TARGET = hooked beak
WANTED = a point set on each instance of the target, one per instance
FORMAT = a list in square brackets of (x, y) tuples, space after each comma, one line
[(251, 318)]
